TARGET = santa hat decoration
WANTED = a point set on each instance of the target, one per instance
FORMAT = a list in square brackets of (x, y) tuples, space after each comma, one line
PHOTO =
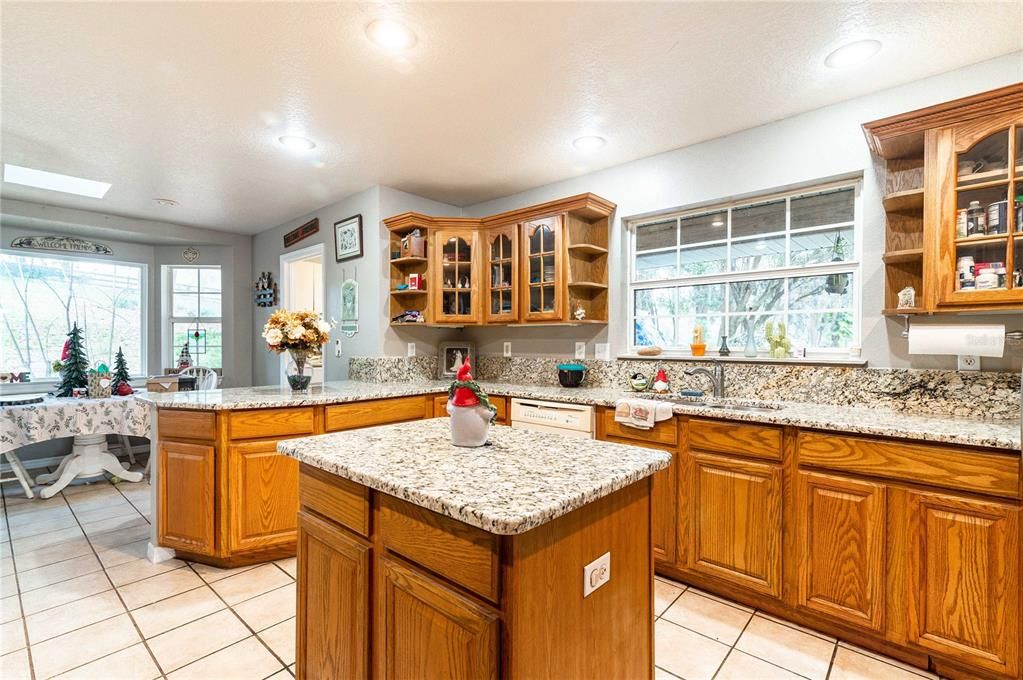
[(464, 396)]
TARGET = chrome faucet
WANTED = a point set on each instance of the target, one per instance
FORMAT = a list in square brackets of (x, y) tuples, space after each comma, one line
[(716, 375)]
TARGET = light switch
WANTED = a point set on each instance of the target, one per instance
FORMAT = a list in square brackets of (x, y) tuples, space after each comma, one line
[(580, 350), (507, 349), (602, 350), (411, 349)]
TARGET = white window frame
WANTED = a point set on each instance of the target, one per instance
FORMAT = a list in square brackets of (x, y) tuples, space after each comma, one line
[(142, 370), (853, 266), (168, 353)]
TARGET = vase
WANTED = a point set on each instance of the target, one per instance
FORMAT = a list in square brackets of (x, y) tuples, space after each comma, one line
[(299, 371), (751, 343)]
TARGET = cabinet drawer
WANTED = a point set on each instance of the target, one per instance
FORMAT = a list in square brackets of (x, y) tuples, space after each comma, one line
[(377, 412), (727, 437), (178, 424), (501, 404), (944, 466), (337, 498), (270, 422), (460, 553), (664, 432)]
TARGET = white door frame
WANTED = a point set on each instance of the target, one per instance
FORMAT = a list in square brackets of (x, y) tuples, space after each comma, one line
[(287, 259)]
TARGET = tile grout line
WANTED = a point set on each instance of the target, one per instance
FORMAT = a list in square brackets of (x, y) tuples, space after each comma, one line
[(17, 586), (831, 664), (732, 648)]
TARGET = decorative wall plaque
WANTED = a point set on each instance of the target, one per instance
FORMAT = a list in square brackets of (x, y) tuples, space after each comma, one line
[(67, 244), (190, 254), (299, 233)]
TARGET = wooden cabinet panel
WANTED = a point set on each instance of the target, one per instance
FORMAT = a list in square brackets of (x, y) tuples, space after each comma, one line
[(185, 510), (183, 424), (543, 287), (263, 496), (455, 287), (464, 554), (333, 602), (841, 544), (377, 412), (664, 513), (501, 275), (734, 520), (945, 466), (274, 422), (440, 406), (664, 432), (344, 501), (733, 438), (961, 578), (415, 614)]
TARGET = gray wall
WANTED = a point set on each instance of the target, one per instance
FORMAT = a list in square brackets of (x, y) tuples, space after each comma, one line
[(375, 336), (820, 144)]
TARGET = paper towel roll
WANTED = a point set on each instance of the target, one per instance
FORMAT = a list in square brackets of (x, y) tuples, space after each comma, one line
[(984, 340)]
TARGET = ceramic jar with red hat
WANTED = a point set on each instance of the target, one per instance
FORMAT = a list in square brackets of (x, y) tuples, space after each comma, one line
[(470, 410)]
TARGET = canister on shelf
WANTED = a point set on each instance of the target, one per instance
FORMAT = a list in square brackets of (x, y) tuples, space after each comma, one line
[(975, 220), (961, 231), (987, 279), (1019, 212), (997, 217)]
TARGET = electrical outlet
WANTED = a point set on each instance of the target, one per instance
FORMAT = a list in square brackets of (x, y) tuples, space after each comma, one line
[(337, 348), (580, 350), (411, 349), (602, 350), (507, 349), (596, 573), (968, 362)]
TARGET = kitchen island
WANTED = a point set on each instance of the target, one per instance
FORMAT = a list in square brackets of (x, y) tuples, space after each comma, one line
[(526, 558)]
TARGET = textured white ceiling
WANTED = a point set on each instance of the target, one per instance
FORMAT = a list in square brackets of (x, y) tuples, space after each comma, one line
[(186, 101)]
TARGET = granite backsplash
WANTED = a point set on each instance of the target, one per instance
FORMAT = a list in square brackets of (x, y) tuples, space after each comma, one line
[(994, 395)]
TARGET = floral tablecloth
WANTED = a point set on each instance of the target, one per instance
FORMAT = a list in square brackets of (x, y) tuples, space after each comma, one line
[(55, 418)]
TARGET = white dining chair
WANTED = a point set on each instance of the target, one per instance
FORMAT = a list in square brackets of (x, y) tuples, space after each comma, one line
[(205, 377)]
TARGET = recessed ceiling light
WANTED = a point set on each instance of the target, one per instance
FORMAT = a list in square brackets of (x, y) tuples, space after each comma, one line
[(391, 35), (589, 143), (170, 202), (718, 222), (54, 181), (852, 54), (297, 143)]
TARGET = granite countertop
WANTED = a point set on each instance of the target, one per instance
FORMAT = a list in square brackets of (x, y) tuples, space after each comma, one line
[(1001, 434), (518, 481)]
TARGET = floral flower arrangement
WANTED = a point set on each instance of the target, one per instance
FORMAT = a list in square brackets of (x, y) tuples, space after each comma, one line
[(300, 330)]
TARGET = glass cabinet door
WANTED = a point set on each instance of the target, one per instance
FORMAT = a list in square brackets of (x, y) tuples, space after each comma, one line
[(543, 270), (458, 286), (501, 303), (981, 218)]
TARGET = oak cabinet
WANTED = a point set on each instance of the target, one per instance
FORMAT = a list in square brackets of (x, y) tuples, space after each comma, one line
[(543, 266), (415, 612), (841, 548), (502, 273), (455, 283), (185, 511), (734, 516), (663, 522), (263, 493), (333, 602), (959, 585)]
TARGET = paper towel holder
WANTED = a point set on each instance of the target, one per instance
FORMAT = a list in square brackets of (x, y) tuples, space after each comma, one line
[(1013, 339)]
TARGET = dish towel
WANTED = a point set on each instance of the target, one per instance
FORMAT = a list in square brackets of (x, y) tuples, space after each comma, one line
[(641, 413)]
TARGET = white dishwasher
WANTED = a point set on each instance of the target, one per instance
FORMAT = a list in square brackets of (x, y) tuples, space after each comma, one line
[(574, 420)]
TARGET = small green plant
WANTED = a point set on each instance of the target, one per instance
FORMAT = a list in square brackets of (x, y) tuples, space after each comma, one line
[(776, 338)]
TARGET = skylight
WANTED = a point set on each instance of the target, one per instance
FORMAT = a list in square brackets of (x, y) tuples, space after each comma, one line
[(54, 181)]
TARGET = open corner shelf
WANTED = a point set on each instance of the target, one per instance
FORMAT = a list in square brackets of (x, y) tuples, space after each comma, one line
[(910, 200)]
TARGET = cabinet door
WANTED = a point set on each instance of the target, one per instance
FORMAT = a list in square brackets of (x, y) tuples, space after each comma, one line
[(440, 406), (456, 288), (734, 520), (841, 538), (185, 510), (333, 601), (543, 278), (414, 612), (960, 593), (262, 496), (502, 275), (664, 517)]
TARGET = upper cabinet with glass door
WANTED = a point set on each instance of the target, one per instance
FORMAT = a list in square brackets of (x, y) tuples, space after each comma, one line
[(501, 273), (456, 286), (978, 231), (542, 264)]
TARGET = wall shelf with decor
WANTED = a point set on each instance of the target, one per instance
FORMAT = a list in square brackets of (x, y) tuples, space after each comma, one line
[(408, 266), (954, 204), (544, 264)]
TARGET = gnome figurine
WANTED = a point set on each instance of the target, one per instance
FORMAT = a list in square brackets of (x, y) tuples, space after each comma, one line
[(470, 410)]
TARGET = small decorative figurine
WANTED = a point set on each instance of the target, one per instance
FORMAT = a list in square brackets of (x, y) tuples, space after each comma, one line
[(579, 313), (661, 385), (780, 345), (470, 410), (639, 382), (185, 358), (907, 298), (723, 349), (698, 346)]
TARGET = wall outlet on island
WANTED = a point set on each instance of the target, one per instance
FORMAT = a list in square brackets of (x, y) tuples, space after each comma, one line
[(507, 349), (968, 362), (596, 573), (411, 349), (580, 350)]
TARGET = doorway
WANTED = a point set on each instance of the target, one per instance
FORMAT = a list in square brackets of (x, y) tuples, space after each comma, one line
[(302, 288)]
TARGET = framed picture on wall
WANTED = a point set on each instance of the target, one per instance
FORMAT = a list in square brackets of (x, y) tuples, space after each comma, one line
[(450, 356), (348, 238)]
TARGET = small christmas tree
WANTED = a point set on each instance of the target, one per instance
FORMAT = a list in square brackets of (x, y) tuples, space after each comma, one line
[(75, 365), (120, 373)]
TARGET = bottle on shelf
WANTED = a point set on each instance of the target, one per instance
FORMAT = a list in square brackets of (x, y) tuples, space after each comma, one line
[(976, 220)]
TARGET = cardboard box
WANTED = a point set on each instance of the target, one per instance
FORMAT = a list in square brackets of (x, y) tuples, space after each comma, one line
[(170, 383)]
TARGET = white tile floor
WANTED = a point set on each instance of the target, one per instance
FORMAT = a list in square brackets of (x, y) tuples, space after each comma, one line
[(78, 599)]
